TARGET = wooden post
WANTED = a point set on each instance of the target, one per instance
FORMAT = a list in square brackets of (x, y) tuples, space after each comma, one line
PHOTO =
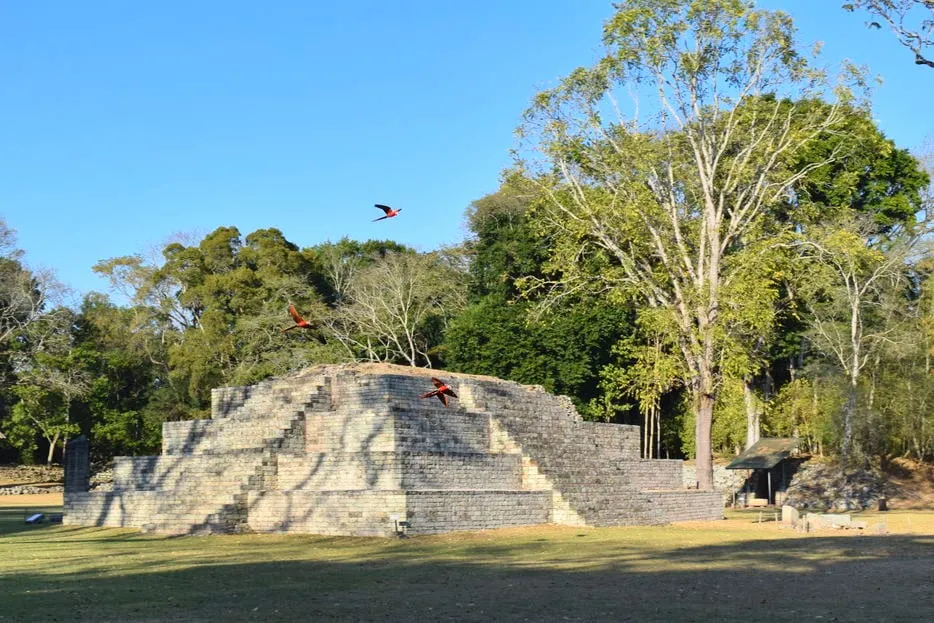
[(768, 474)]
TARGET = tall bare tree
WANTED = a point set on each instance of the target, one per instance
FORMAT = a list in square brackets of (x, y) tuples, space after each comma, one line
[(853, 290), (24, 293), (391, 304), (912, 21)]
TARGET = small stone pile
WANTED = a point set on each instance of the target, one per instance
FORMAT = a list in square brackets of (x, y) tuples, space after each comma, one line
[(826, 486), (29, 489), (102, 479), (725, 480), (31, 479)]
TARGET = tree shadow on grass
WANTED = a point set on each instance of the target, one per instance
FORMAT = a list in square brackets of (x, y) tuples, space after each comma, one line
[(789, 579), (13, 518)]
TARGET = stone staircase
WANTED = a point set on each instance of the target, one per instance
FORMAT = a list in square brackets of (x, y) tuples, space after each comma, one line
[(353, 450), (594, 466), (200, 484)]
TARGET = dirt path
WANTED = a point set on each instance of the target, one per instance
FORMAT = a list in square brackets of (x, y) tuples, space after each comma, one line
[(31, 499), (912, 484)]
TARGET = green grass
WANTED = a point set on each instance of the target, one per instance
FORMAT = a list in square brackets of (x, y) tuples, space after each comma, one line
[(734, 570)]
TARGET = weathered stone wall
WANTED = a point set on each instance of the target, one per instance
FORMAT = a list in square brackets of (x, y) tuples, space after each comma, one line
[(182, 473), (371, 513), (198, 484), (155, 510), (262, 415), (431, 512), (686, 505), (358, 513), (336, 471), (394, 430)]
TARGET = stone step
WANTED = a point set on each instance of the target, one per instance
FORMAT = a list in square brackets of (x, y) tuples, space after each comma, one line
[(202, 436)]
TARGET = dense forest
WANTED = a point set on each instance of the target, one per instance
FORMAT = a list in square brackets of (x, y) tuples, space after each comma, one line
[(750, 257)]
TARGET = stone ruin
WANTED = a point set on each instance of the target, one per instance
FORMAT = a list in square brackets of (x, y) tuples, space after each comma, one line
[(353, 450)]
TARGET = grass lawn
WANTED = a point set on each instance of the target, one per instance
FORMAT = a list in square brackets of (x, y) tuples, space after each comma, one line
[(732, 570)]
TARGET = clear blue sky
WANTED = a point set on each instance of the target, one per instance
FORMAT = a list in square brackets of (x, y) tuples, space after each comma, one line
[(123, 123)]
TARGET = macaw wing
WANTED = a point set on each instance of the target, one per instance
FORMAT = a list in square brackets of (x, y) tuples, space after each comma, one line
[(382, 207), (295, 315), (443, 399), (450, 392), (439, 384)]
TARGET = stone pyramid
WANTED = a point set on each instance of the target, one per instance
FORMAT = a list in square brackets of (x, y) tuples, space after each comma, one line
[(353, 450)]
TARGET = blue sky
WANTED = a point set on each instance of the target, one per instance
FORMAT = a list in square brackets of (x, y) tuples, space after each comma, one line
[(123, 125)]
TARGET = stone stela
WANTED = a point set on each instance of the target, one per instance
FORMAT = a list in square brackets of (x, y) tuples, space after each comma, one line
[(352, 450)]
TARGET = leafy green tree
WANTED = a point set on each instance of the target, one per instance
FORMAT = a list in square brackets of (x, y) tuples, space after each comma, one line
[(500, 334), (649, 367), (505, 246), (218, 307), (564, 352), (119, 411), (808, 408), (49, 381), (38, 413), (23, 293), (661, 212), (862, 174)]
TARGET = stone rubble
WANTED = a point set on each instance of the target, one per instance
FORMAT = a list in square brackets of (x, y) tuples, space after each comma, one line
[(725, 480), (30, 489), (832, 486)]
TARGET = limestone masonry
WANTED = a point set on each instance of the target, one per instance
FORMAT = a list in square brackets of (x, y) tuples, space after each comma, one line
[(352, 450)]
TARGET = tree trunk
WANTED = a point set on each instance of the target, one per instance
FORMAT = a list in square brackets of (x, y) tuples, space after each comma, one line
[(645, 435), (703, 422), (52, 443), (650, 442), (655, 434), (67, 421), (752, 413), (849, 411)]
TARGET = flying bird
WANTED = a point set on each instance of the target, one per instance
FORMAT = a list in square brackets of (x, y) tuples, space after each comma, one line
[(300, 323), (389, 211), (442, 392)]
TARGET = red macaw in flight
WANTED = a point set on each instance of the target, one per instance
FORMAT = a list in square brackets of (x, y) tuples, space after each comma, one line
[(389, 211), (300, 323), (442, 392)]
